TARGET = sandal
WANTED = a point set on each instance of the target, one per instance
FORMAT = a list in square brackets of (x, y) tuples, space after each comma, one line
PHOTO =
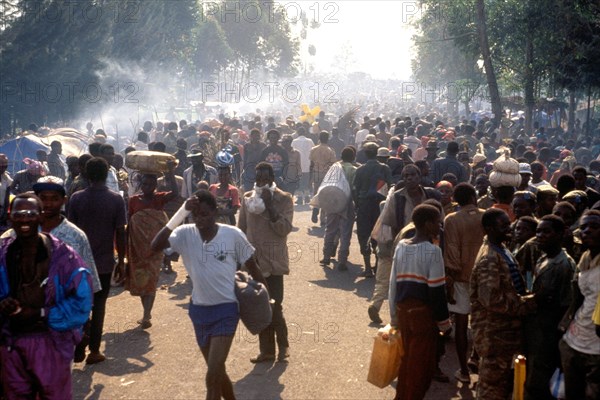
[(145, 323), (263, 358)]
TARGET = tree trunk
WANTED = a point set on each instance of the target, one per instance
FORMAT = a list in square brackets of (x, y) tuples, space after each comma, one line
[(529, 96), (571, 117), (589, 105), (487, 63)]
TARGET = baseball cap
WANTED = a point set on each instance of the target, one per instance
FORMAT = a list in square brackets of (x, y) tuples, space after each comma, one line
[(524, 168), (49, 182), (383, 152), (577, 195), (195, 153)]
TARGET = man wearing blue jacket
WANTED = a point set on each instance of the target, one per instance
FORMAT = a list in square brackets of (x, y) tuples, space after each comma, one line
[(45, 298)]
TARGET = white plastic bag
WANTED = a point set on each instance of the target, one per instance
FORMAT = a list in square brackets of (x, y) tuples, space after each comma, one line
[(335, 177), (557, 384), (334, 192)]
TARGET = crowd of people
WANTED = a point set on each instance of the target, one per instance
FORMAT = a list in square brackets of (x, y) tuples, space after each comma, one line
[(448, 241)]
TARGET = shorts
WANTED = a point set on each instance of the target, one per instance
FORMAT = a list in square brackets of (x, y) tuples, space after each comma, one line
[(217, 320), (462, 298)]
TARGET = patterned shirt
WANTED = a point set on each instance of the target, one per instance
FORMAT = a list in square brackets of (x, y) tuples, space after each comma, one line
[(69, 233)]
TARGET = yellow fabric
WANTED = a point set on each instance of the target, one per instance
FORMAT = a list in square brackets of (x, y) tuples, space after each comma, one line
[(596, 314)]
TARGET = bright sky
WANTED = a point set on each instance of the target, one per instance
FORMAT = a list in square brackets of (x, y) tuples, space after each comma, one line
[(379, 33)]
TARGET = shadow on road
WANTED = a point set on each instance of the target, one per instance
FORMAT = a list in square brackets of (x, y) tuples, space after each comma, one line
[(262, 382), (316, 231), (346, 280), (167, 279), (180, 290), (120, 360)]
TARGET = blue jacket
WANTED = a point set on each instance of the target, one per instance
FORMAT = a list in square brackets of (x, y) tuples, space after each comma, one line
[(68, 295)]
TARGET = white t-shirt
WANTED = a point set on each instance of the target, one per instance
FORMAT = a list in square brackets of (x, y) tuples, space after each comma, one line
[(212, 265), (412, 142), (304, 145), (111, 180), (537, 185), (581, 334), (360, 138)]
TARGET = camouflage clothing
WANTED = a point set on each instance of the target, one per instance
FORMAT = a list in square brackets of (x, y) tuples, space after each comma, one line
[(496, 311)]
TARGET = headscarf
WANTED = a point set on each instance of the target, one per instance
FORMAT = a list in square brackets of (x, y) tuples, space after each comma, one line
[(34, 167)]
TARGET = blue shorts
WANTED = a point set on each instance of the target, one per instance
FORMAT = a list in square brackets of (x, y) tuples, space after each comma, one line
[(217, 320)]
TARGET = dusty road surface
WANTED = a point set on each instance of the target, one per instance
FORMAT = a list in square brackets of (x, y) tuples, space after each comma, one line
[(330, 335)]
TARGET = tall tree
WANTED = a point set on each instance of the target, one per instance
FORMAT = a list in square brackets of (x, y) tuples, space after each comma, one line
[(577, 69), (448, 51), (72, 47), (487, 61)]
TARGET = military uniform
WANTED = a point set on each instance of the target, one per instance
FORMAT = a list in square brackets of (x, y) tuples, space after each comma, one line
[(497, 306)]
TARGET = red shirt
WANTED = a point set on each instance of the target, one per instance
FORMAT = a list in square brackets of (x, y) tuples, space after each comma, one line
[(158, 202)]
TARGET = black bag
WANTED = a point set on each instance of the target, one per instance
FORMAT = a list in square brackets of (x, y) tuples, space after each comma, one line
[(254, 301)]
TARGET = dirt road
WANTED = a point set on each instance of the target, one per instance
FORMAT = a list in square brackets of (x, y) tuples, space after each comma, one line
[(331, 339)]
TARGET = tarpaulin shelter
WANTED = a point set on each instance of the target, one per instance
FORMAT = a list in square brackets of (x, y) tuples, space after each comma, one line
[(18, 149), (73, 143)]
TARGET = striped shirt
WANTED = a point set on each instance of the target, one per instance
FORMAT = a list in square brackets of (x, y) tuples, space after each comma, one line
[(418, 273)]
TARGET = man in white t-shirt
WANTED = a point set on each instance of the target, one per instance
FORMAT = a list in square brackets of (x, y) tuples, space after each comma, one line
[(412, 141), (210, 253), (304, 145), (361, 135)]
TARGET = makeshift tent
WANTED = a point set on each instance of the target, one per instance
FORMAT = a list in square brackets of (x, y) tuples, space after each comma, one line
[(73, 143), (18, 149)]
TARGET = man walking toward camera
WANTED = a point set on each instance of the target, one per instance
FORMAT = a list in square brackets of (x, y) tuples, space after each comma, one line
[(266, 219), (44, 301)]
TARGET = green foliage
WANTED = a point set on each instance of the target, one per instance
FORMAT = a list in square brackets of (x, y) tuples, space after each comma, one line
[(577, 67), (447, 48), (53, 42), (537, 46)]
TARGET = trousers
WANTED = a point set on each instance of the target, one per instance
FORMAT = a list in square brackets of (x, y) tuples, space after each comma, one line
[(366, 215), (495, 376), (582, 373), (543, 358), (32, 367), (98, 312), (277, 330), (339, 226), (419, 335), (382, 281)]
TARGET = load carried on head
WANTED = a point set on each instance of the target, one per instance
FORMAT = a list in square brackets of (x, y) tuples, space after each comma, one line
[(149, 162), (505, 171)]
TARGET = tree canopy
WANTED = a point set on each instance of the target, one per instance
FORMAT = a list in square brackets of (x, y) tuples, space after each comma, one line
[(538, 48), (54, 55)]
